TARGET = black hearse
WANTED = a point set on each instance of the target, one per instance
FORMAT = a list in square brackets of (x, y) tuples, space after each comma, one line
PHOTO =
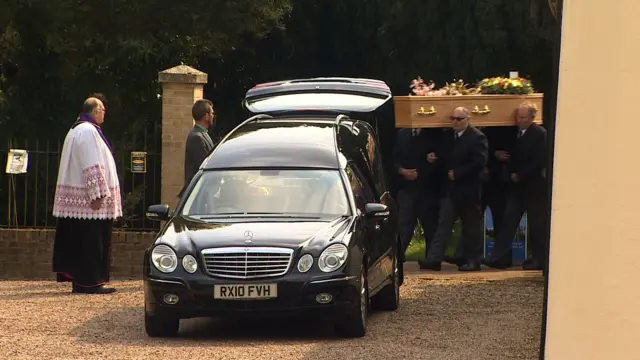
[(290, 212)]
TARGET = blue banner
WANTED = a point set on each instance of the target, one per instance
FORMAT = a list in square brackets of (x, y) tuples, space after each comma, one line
[(519, 247)]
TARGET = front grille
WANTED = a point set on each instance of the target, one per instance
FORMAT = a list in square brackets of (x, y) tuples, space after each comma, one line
[(247, 262)]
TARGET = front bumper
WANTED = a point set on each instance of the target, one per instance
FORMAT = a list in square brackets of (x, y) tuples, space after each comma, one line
[(296, 294)]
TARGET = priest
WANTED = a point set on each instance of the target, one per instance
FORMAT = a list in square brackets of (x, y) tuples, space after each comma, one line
[(87, 201)]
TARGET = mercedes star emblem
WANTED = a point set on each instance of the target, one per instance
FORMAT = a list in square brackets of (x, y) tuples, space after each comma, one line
[(248, 235)]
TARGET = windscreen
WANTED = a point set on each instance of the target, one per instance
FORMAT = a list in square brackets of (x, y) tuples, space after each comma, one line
[(281, 192)]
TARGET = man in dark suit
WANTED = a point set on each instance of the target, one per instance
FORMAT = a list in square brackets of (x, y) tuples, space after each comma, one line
[(462, 159), (199, 143), (417, 183), (527, 192), (496, 178)]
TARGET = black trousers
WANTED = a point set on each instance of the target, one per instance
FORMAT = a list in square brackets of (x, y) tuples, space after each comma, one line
[(470, 214), (82, 251), (416, 205), (537, 216), (496, 199)]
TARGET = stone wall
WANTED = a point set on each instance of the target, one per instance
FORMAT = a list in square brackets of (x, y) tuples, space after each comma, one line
[(25, 254)]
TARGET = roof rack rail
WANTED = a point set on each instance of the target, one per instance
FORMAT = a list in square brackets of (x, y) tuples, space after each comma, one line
[(256, 118), (251, 119), (341, 117)]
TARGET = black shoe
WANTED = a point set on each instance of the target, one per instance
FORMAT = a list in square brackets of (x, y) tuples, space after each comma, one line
[(93, 290), (470, 266), (455, 260), (532, 265), (430, 265), (496, 264)]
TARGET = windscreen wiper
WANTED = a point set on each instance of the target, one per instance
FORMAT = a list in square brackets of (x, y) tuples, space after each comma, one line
[(274, 215)]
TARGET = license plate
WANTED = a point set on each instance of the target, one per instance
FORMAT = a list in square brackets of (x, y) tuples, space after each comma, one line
[(245, 291)]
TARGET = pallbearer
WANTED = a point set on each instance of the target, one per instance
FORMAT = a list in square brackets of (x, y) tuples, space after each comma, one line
[(462, 157), (527, 192), (87, 201), (418, 183)]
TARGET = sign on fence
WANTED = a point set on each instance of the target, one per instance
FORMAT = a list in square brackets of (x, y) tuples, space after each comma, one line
[(17, 161), (138, 162)]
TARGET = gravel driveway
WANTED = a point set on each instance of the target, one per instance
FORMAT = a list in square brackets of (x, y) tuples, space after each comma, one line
[(449, 315)]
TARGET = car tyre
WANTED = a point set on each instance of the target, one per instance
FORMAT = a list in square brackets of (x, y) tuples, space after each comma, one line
[(388, 299), (161, 326), (354, 324)]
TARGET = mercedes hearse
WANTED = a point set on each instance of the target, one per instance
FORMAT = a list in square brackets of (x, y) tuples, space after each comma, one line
[(290, 213)]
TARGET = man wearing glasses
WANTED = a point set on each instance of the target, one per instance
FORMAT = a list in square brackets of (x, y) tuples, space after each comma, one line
[(461, 160), (199, 143)]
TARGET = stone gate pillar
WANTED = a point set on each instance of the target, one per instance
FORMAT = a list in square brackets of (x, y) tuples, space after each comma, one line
[(181, 87)]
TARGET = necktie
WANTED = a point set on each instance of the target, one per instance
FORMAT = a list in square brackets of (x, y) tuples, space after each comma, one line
[(520, 133)]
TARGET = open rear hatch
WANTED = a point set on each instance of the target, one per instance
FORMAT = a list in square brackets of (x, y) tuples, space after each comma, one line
[(362, 99), (318, 95)]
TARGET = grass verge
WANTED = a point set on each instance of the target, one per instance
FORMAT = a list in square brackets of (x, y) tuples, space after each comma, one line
[(416, 249)]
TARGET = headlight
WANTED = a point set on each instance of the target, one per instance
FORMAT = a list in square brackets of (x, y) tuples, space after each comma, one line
[(190, 264), (164, 258), (333, 257), (305, 263)]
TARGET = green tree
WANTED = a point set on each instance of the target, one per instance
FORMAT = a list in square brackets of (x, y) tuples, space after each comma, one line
[(55, 52)]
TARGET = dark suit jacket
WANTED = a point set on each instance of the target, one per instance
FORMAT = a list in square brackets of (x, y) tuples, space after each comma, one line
[(499, 138), (411, 153), (197, 148), (467, 157), (529, 160)]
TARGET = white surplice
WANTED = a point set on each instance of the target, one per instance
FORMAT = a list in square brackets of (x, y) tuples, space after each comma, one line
[(87, 172)]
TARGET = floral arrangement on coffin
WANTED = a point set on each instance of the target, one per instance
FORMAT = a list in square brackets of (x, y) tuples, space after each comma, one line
[(494, 85), (455, 88), (504, 85)]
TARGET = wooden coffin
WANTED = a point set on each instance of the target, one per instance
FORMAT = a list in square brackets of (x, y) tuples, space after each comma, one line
[(486, 110)]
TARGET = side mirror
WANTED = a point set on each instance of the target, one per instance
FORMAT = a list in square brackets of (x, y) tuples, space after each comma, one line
[(158, 212), (376, 210)]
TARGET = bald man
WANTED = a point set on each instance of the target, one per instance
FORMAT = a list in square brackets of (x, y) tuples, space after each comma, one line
[(87, 201), (461, 160), (527, 192)]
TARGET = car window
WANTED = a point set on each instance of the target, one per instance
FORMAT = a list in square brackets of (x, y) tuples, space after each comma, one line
[(378, 167), (356, 185), (288, 192), (359, 186), (371, 154)]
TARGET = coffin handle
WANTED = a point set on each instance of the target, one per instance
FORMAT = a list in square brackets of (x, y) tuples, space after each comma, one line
[(477, 110), (431, 111)]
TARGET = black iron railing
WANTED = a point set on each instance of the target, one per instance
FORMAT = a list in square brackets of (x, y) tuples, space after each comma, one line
[(28, 198)]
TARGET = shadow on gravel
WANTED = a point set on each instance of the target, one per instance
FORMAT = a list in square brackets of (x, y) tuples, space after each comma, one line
[(453, 319), (126, 327), (39, 292), (21, 285), (438, 318)]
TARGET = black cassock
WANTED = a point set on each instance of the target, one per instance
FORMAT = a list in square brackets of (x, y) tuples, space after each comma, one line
[(82, 251)]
